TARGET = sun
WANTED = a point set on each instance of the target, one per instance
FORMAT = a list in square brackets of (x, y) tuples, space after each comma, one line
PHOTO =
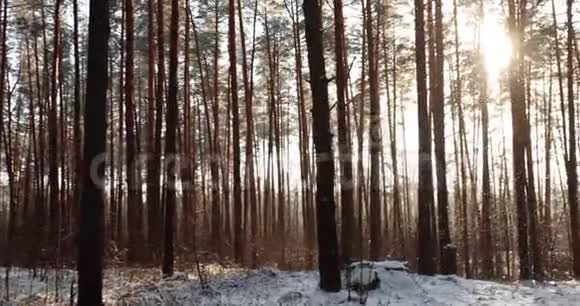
[(497, 47)]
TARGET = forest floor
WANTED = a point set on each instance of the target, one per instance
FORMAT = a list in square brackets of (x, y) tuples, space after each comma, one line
[(143, 287)]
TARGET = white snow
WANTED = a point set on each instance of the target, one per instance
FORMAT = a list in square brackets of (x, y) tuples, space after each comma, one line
[(273, 287)]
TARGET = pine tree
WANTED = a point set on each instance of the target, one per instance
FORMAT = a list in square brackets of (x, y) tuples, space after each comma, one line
[(91, 223), (425, 252), (170, 183), (325, 206)]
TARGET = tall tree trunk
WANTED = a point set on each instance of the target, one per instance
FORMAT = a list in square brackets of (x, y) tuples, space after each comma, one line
[(188, 171), (547, 221), (238, 238), (151, 104), (326, 223), (344, 146), (53, 181), (486, 233), (118, 197), (4, 131), (250, 184), (91, 223), (398, 217), (214, 167), (463, 190), (571, 165), (133, 200), (426, 252), (154, 198), (536, 253), (170, 147), (519, 136), (446, 249), (374, 139), (77, 107)]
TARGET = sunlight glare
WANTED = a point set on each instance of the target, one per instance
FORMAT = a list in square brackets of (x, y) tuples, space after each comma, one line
[(496, 46)]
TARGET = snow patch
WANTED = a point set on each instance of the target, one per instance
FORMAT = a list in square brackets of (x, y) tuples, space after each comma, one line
[(273, 287)]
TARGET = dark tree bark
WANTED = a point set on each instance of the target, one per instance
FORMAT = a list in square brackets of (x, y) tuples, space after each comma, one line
[(571, 165), (188, 171), (375, 141), (518, 109), (117, 161), (446, 249), (425, 252), (486, 197), (154, 176), (250, 183), (170, 182), (536, 252), (133, 199), (325, 206), (547, 220), (361, 191), (4, 131), (462, 146), (53, 181), (486, 231), (91, 223), (77, 107), (151, 105), (216, 223), (238, 237), (344, 145)]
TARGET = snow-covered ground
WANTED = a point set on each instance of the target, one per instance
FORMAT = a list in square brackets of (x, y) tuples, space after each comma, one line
[(273, 287)]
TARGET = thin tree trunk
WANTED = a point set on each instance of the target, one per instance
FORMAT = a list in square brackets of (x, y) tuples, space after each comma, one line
[(250, 184), (77, 107), (374, 139), (214, 167), (344, 146), (458, 92), (571, 165), (53, 180), (446, 250)]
